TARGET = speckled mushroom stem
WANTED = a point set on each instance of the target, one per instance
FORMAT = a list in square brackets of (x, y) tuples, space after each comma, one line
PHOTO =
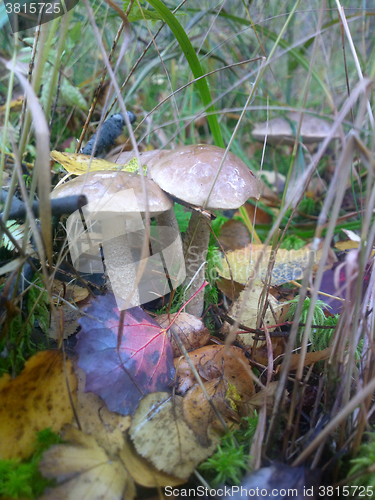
[(168, 219), (195, 248), (119, 263)]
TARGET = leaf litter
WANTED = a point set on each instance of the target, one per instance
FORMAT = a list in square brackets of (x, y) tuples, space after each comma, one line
[(160, 434)]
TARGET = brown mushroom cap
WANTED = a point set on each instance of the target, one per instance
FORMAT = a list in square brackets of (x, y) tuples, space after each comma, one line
[(106, 191), (279, 130), (189, 171)]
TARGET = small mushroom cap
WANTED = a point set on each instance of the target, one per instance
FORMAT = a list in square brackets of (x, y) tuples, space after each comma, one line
[(107, 191), (279, 130), (189, 171)]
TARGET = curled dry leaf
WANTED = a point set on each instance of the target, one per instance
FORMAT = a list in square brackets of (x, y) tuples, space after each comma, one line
[(310, 358), (232, 292), (78, 164), (161, 435), (258, 350), (39, 397), (199, 413), (67, 315), (216, 361), (68, 291), (233, 235), (85, 471), (190, 330), (266, 395), (95, 419), (143, 472), (227, 381)]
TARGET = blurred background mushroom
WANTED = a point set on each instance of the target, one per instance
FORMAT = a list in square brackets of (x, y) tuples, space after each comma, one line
[(282, 130)]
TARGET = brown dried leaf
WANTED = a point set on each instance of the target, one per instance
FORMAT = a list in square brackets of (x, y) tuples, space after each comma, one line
[(215, 361), (225, 286), (38, 398), (257, 401), (311, 357), (234, 235), (191, 331), (259, 352), (199, 414), (70, 292), (70, 322)]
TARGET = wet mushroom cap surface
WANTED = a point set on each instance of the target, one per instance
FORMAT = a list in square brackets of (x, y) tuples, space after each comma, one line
[(106, 191), (189, 171)]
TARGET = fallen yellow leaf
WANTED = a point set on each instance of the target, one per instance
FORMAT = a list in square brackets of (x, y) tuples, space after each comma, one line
[(143, 472), (85, 470), (78, 164), (245, 310), (289, 264), (38, 398)]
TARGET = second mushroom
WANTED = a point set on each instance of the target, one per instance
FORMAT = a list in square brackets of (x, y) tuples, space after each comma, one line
[(193, 175)]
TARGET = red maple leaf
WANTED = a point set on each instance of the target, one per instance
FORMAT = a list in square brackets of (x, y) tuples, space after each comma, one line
[(143, 363)]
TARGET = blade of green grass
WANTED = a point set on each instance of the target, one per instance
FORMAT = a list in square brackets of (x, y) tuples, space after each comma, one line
[(194, 64)]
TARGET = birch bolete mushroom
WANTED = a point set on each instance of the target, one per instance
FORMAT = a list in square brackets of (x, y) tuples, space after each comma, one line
[(117, 202), (188, 173), (147, 160), (282, 130)]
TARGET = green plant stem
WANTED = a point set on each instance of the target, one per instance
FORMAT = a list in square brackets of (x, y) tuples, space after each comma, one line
[(195, 67)]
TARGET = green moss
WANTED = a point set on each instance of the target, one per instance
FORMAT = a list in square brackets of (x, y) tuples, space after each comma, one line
[(364, 464), (292, 242), (23, 479), (229, 464)]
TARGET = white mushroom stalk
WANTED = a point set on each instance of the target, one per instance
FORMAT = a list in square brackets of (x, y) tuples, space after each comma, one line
[(188, 173)]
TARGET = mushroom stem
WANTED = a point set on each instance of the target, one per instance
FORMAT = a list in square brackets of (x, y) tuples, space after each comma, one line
[(195, 248), (168, 219), (119, 263)]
